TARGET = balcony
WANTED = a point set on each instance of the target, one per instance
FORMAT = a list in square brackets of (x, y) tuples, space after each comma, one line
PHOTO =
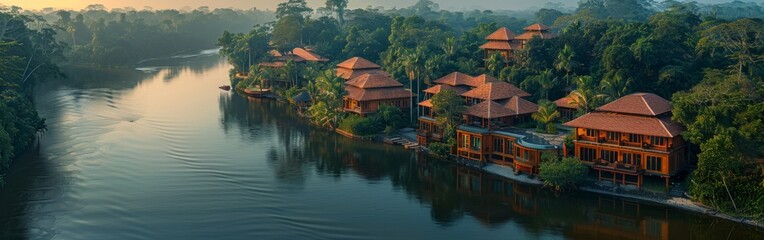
[(618, 166), (423, 133), (358, 110)]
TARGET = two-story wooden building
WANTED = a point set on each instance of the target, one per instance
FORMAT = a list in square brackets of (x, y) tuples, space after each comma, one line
[(629, 138), (367, 92), (536, 30), (488, 135), (429, 129), (506, 42)]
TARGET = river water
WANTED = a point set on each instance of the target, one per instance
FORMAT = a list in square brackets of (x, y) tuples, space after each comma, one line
[(161, 153)]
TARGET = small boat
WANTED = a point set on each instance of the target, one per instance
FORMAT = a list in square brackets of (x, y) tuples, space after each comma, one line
[(225, 87), (257, 92)]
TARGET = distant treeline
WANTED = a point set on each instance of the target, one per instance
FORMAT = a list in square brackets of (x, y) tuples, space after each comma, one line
[(125, 36)]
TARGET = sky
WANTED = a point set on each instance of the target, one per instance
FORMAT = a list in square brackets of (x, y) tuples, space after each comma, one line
[(271, 4)]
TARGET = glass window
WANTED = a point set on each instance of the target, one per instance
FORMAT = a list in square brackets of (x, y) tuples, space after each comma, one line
[(614, 136), (498, 145), (610, 156), (635, 138), (632, 158), (475, 142), (587, 154), (654, 163), (658, 141), (590, 132)]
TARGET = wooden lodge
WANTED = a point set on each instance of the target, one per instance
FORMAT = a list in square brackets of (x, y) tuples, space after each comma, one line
[(505, 42), (536, 30), (357, 66), (488, 135), (297, 55), (629, 138), (566, 107), (367, 92), (429, 129)]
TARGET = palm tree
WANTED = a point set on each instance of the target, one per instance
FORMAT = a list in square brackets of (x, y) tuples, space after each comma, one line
[(614, 87), (495, 63), (565, 62), (449, 46), (546, 81), (290, 71), (584, 96), (546, 116), (327, 110), (414, 68)]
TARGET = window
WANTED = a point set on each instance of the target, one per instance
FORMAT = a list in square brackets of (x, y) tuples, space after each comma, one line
[(614, 136), (475, 143), (508, 148), (658, 141), (610, 156), (498, 145), (654, 163), (635, 138), (588, 154), (632, 158), (465, 140), (590, 132)]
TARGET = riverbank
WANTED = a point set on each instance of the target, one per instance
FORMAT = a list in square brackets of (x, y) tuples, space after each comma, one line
[(606, 188)]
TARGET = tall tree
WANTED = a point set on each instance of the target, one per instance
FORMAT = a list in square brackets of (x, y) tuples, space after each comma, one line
[(338, 6), (741, 40)]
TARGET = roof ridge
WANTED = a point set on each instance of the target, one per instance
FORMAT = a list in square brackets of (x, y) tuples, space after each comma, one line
[(650, 108)]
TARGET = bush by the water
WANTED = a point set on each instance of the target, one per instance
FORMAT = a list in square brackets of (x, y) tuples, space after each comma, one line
[(387, 119), (562, 175), (440, 149)]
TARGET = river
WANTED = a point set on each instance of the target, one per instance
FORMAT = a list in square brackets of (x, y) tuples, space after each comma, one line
[(162, 153)]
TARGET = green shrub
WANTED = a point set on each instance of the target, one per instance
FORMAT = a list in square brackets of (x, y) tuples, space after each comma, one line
[(441, 150), (358, 125), (562, 175)]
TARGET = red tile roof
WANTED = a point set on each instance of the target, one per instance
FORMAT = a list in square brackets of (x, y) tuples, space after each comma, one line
[(615, 122), (348, 74), (308, 55), (358, 63), (495, 91), (367, 81), (426, 103), (437, 88), (646, 104), (503, 34), (565, 102), (482, 79), (360, 94), (521, 106), (455, 79), (530, 34), (537, 27), (496, 45), (275, 53), (488, 110)]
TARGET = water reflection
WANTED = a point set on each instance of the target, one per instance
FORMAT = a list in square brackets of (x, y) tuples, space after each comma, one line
[(454, 192)]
